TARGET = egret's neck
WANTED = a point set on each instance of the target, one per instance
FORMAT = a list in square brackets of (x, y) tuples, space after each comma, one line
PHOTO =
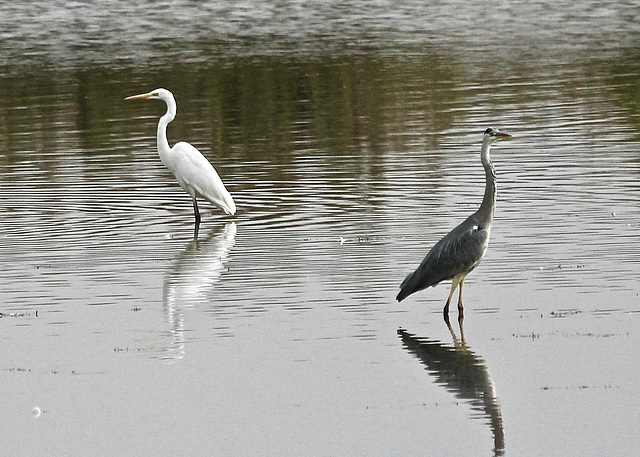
[(163, 143), (489, 200)]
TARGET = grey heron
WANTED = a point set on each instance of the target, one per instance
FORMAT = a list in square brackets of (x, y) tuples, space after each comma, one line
[(462, 249)]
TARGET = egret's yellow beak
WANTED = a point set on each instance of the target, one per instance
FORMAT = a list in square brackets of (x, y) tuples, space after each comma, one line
[(139, 97)]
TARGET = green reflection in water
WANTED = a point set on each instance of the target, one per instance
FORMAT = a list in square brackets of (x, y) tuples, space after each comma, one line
[(272, 109)]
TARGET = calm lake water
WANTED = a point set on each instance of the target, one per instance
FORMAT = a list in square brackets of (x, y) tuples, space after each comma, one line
[(348, 134)]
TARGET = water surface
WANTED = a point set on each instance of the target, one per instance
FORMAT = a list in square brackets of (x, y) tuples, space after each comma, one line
[(349, 135)]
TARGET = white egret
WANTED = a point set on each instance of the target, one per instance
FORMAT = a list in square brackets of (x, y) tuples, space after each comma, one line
[(192, 170)]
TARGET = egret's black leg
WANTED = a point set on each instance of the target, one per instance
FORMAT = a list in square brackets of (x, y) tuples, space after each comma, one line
[(196, 213), (196, 229)]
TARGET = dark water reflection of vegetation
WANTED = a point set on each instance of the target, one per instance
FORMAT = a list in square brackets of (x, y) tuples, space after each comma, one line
[(267, 109), (264, 116)]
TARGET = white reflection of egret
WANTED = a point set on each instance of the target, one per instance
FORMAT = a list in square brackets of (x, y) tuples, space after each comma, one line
[(191, 277), (464, 374)]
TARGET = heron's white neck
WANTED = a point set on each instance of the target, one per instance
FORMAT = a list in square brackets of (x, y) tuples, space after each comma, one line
[(489, 200), (163, 143)]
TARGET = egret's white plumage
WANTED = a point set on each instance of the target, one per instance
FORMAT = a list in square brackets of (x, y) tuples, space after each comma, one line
[(192, 170)]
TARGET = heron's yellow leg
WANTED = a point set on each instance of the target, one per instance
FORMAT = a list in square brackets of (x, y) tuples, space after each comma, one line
[(446, 306), (460, 307), (454, 284)]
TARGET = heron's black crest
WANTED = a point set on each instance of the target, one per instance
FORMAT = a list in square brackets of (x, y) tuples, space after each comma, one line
[(491, 131)]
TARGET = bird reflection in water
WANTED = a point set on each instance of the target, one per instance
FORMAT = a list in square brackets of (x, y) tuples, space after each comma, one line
[(188, 281), (463, 373)]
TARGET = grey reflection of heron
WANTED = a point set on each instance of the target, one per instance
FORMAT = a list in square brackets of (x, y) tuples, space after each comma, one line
[(462, 249), (190, 279), (463, 373), (192, 170)]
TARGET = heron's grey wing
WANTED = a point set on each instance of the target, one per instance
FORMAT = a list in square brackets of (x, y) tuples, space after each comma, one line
[(460, 251)]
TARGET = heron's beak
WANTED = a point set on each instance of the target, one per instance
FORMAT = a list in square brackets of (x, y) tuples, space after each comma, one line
[(139, 97), (502, 135)]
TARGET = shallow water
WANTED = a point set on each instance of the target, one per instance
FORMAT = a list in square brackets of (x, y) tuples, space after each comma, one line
[(348, 134)]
